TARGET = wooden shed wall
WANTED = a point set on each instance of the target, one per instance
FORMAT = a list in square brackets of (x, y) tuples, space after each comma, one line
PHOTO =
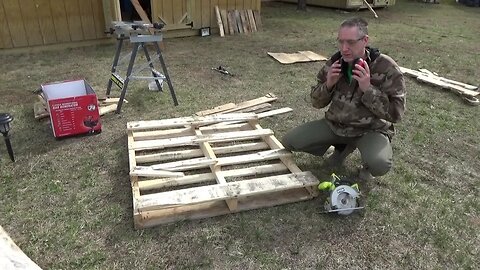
[(346, 4), (177, 13), (25, 23)]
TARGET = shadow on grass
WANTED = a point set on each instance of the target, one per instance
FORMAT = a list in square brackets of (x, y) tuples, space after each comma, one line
[(121, 191)]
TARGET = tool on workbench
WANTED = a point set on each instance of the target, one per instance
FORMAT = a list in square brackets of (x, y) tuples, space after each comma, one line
[(140, 34), (343, 196)]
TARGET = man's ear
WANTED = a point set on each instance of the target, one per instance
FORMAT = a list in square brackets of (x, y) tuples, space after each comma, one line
[(365, 39)]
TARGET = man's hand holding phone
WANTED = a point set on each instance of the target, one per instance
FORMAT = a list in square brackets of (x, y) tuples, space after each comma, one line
[(361, 73), (334, 73)]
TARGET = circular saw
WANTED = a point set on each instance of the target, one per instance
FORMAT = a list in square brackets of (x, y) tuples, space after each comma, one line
[(344, 196)]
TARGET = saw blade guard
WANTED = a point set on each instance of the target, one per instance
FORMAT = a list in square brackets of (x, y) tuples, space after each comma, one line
[(343, 200)]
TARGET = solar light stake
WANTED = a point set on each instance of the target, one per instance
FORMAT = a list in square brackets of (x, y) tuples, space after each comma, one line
[(5, 120)]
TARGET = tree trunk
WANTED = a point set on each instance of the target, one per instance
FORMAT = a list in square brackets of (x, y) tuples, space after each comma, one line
[(302, 5)]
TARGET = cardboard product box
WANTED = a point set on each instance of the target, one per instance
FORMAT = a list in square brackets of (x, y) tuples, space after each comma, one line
[(73, 108)]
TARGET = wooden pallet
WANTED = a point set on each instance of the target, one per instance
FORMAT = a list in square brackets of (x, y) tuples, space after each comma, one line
[(200, 166)]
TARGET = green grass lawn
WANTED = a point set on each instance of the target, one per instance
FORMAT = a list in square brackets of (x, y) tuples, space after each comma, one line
[(68, 203)]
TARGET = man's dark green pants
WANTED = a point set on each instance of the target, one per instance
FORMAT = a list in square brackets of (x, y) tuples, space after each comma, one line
[(316, 137)]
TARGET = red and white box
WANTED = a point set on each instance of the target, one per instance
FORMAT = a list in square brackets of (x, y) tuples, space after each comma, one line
[(73, 107)]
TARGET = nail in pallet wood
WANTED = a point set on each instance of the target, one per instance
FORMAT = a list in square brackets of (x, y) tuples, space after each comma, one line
[(183, 169)]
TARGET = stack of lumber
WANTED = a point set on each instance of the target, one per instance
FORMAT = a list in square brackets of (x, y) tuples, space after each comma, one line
[(468, 92), (216, 162), (234, 22)]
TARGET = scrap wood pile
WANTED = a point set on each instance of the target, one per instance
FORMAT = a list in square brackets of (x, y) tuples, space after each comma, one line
[(261, 106), (215, 162), (468, 92), (234, 22), (40, 106)]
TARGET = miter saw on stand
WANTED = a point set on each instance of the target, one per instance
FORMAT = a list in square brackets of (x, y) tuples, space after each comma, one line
[(344, 195), (140, 34)]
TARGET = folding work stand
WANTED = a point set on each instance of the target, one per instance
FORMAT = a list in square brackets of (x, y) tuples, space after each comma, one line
[(139, 35)]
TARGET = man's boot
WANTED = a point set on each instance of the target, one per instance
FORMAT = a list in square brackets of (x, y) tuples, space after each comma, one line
[(337, 158), (365, 175)]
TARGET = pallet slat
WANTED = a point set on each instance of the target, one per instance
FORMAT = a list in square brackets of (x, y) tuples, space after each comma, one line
[(169, 133), (184, 165), (232, 107), (216, 208), (260, 116), (193, 121), (193, 140), (203, 162), (149, 172), (219, 21), (200, 178), (252, 20), (190, 153), (223, 15), (259, 156)]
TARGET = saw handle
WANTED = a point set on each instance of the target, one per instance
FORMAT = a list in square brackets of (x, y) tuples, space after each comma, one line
[(326, 186)]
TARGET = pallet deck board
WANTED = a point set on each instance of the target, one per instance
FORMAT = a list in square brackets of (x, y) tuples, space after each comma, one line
[(191, 167), (189, 121), (205, 177), (217, 208), (226, 191), (195, 139), (191, 153)]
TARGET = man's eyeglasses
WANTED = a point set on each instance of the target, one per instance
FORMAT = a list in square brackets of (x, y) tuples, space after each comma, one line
[(349, 42)]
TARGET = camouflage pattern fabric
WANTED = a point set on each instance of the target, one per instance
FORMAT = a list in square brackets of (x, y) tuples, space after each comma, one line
[(352, 112)]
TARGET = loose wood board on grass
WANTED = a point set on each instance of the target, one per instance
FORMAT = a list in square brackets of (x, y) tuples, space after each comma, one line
[(191, 167), (300, 56), (11, 256), (468, 92)]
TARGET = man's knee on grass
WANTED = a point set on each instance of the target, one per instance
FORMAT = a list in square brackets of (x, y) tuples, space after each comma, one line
[(378, 166)]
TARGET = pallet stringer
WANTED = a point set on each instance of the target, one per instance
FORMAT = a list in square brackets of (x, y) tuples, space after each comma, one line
[(137, 217), (216, 169)]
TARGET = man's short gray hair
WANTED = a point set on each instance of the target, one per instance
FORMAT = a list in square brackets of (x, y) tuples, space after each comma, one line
[(361, 23)]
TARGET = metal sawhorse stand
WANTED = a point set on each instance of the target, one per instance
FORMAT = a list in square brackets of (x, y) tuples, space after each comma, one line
[(139, 35)]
